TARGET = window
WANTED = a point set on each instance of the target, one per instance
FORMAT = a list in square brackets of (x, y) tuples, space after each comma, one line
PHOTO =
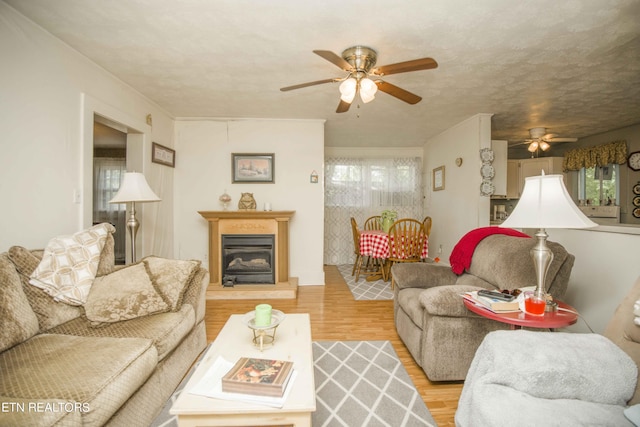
[(364, 187), (599, 185), (373, 183)]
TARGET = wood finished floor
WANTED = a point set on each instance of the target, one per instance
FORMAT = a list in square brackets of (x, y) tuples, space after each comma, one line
[(336, 316)]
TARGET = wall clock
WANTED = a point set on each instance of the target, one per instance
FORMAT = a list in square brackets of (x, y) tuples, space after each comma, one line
[(634, 161)]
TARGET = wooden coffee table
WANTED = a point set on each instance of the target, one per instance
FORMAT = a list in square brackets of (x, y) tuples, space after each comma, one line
[(518, 319), (293, 342)]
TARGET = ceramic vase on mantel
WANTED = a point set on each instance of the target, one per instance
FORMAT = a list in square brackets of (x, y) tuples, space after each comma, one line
[(225, 199)]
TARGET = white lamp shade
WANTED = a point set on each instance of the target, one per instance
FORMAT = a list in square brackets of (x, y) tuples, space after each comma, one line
[(368, 90), (134, 188), (545, 203), (348, 90)]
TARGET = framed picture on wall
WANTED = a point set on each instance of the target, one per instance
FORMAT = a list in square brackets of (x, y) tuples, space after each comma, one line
[(438, 178), (253, 168), (163, 155)]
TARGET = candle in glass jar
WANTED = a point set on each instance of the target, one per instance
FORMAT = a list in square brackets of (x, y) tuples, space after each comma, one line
[(263, 315), (534, 305)]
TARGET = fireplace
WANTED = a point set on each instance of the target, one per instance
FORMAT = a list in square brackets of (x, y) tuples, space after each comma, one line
[(256, 230), (247, 259)]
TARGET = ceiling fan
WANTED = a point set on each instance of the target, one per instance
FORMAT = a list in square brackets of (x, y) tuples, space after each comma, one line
[(540, 139), (359, 62)]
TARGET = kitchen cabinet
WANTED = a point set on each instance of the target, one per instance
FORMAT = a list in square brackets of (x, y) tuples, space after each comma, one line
[(500, 168), (529, 167), (513, 185)]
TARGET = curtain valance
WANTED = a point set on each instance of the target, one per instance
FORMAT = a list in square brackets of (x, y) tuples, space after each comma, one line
[(601, 155)]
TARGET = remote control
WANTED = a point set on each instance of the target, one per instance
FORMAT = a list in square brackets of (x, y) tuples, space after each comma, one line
[(496, 295)]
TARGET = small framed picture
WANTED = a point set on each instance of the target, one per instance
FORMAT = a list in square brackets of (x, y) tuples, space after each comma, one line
[(163, 155), (253, 168), (438, 178)]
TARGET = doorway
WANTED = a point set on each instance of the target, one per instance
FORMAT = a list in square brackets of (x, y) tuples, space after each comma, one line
[(109, 166)]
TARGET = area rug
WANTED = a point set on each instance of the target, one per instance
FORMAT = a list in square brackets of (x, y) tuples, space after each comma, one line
[(363, 290), (358, 383)]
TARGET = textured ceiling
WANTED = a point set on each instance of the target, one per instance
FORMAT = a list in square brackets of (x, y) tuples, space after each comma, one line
[(572, 66)]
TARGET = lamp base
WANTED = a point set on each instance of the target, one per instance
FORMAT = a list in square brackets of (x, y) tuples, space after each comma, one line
[(132, 226), (542, 257)]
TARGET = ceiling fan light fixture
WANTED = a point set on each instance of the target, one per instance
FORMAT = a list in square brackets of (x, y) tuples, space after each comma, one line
[(544, 145), (348, 90), (533, 147), (368, 90)]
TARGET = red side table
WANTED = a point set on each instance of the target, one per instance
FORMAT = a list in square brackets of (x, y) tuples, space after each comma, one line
[(518, 319)]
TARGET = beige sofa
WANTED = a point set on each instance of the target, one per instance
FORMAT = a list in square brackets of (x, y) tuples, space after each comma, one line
[(59, 366), (440, 333), (573, 380)]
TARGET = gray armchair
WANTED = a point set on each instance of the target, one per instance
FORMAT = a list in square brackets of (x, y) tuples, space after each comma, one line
[(440, 333)]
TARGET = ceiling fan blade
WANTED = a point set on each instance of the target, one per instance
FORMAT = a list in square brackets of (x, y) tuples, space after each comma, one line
[(405, 67), (334, 59), (560, 139), (399, 93), (301, 85), (343, 107)]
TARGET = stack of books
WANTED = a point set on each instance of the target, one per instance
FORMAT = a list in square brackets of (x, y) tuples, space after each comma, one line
[(492, 304)]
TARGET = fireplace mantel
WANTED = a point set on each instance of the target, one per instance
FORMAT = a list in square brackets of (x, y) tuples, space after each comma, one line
[(250, 222)]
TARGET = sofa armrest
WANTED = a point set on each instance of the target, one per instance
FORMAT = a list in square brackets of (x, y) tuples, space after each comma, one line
[(421, 275), (196, 293), (446, 300), (559, 369)]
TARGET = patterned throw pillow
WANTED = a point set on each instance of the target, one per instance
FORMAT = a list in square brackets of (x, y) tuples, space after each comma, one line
[(18, 321), (171, 277), (122, 295), (50, 313), (70, 263)]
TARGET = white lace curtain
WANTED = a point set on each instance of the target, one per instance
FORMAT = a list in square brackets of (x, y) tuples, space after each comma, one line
[(361, 188), (107, 176)]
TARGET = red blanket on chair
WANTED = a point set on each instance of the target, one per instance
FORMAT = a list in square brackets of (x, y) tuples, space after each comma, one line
[(462, 253)]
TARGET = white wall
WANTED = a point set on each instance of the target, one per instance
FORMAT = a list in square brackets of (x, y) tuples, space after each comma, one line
[(205, 147), (458, 208), (606, 266), (47, 90)]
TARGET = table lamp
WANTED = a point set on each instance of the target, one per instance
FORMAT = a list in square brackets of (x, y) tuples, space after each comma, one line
[(545, 203), (134, 188)]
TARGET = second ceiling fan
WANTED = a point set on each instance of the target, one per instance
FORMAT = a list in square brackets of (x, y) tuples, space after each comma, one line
[(362, 78), (540, 139)]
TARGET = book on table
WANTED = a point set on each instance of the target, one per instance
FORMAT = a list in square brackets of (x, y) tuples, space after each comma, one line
[(493, 304), (264, 377)]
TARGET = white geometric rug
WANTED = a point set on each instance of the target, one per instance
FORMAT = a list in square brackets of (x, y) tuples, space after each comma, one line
[(358, 383), (363, 383), (363, 290)]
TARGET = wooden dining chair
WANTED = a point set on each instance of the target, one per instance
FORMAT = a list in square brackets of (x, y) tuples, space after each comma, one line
[(426, 224), (406, 240), (373, 223), (372, 266), (356, 244)]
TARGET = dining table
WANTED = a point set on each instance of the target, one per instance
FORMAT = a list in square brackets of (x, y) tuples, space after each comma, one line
[(375, 244)]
